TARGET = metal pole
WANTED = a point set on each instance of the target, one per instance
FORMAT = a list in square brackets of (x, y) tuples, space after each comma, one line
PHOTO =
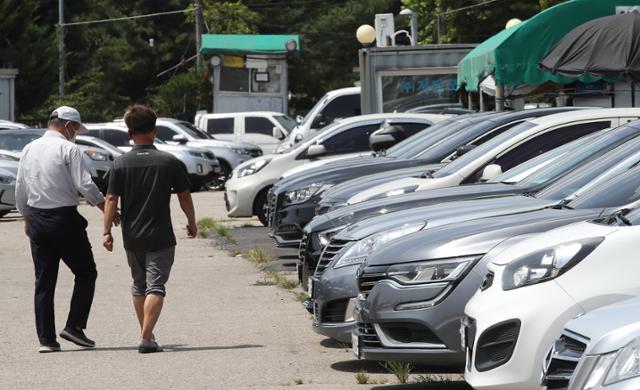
[(499, 97), (414, 29), (61, 48), (198, 20), (438, 27)]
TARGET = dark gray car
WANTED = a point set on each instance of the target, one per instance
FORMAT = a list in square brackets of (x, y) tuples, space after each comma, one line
[(412, 293), (334, 282)]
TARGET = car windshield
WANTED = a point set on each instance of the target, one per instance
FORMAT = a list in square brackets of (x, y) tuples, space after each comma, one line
[(619, 191), (192, 130), (16, 142), (634, 216), (564, 158), (314, 139), (97, 142), (417, 143), (580, 177), (286, 122), (314, 110), (478, 152)]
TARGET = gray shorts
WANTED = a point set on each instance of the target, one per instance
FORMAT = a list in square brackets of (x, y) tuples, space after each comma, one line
[(150, 270)]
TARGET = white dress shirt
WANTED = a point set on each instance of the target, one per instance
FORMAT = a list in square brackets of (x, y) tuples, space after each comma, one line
[(51, 173)]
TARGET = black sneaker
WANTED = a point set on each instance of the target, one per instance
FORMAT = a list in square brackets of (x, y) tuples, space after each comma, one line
[(49, 347), (150, 346), (77, 336)]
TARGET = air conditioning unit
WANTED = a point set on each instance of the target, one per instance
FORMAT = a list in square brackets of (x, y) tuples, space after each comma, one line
[(384, 30), (627, 9)]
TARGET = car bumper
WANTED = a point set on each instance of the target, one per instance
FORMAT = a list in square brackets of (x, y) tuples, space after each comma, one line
[(427, 335), (334, 294), (198, 181), (541, 310), (240, 194), (289, 221)]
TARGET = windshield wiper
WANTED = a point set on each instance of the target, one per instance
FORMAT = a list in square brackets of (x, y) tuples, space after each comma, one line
[(563, 204), (428, 174), (620, 216), (529, 194)]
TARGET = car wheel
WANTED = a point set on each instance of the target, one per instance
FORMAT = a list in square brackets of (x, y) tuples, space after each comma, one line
[(218, 183), (3, 213), (260, 206)]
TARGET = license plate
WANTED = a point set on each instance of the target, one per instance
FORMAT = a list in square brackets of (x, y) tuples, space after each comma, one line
[(355, 345), (310, 287)]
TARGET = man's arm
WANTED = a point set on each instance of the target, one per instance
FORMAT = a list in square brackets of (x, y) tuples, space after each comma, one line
[(186, 204), (21, 194), (82, 179), (110, 215)]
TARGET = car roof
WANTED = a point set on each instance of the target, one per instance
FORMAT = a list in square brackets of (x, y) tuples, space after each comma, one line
[(585, 114), (244, 113), (395, 115)]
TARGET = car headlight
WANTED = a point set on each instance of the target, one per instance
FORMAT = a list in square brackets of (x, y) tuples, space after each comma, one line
[(433, 271), (304, 194), (626, 364), (197, 154), (253, 167), (6, 179), (239, 150), (325, 236), (96, 156), (360, 250), (547, 264)]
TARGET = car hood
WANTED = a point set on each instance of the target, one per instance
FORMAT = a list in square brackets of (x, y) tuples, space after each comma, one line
[(336, 174), (347, 189), (222, 143), (8, 173), (416, 183), (609, 328), (325, 164), (442, 214), (11, 166), (373, 208), (565, 234), (475, 237)]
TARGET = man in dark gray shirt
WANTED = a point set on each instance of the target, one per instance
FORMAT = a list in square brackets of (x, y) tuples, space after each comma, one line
[(144, 179)]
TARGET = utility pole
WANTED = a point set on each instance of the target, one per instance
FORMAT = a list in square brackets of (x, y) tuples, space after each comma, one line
[(198, 20), (61, 48)]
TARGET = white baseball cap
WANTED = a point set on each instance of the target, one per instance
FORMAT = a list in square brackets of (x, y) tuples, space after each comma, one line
[(69, 114)]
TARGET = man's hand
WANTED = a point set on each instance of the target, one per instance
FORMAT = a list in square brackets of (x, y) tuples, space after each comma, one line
[(26, 227), (107, 242), (116, 218), (192, 230)]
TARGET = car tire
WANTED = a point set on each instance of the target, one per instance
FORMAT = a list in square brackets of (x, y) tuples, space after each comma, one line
[(218, 183), (260, 206), (4, 212)]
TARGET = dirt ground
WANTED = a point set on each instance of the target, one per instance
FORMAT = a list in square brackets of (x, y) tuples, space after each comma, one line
[(220, 330)]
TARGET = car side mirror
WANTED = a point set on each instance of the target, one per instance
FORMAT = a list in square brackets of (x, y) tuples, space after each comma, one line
[(278, 134), (316, 150), (490, 172), (131, 143), (464, 149), (299, 119), (386, 137), (180, 139), (298, 138)]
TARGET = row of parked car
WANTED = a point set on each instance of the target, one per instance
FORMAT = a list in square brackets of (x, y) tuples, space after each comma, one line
[(500, 245)]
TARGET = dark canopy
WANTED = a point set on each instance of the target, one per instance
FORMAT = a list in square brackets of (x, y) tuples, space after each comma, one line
[(607, 48)]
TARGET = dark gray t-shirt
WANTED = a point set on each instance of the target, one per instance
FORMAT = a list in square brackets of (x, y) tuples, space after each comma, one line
[(144, 179)]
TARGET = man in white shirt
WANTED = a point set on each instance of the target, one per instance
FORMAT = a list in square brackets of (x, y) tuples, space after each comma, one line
[(50, 176)]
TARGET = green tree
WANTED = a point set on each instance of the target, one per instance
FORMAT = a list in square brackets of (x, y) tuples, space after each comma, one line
[(183, 95), (229, 17)]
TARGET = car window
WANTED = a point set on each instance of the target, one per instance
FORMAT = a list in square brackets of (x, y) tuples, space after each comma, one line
[(547, 141), (286, 122), (115, 137), (411, 128), (619, 191), (165, 133), (191, 130), (497, 131), (355, 139), (409, 147), (258, 125), (342, 107), (220, 126), (17, 142)]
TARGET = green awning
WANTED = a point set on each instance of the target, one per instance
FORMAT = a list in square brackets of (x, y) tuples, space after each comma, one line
[(246, 44), (512, 55)]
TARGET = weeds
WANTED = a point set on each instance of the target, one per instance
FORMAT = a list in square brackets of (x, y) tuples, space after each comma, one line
[(235, 253), (299, 381), (284, 282), (362, 378), (259, 256), (429, 378), (401, 370), (206, 225), (302, 297)]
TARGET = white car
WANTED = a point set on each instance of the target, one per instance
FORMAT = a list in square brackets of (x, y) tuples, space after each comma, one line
[(337, 104), (599, 350), (536, 285), (246, 191), (266, 129), (506, 150), (7, 191)]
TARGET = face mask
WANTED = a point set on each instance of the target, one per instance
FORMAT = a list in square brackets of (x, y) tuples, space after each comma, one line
[(71, 139)]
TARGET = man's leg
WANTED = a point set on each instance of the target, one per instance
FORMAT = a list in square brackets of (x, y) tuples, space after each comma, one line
[(46, 265), (136, 260), (158, 267), (152, 308), (138, 305)]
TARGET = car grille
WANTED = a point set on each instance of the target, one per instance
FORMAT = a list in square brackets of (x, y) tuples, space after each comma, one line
[(408, 332), (304, 242), (487, 281), (368, 336), (210, 155), (561, 362), (495, 346), (322, 209), (369, 278), (334, 311), (328, 254), (271, 208)]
